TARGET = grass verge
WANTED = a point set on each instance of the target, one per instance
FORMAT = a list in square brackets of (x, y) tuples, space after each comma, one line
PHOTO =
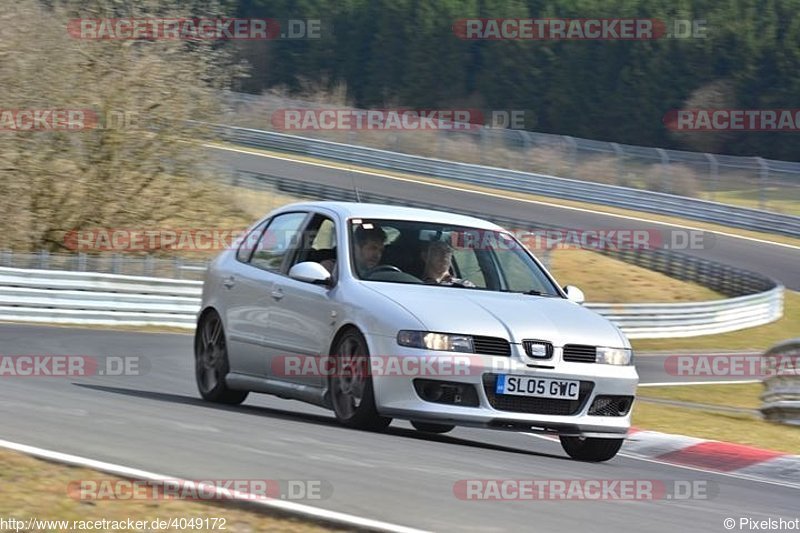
[(608, 280), (741, 428), (38, 489)]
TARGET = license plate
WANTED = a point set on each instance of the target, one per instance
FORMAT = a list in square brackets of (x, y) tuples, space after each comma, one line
[(561, 389)]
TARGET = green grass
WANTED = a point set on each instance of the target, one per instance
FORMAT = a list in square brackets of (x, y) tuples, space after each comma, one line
[(727, 427), (608, 280), (786, 200), (743, 395), (741, 428), (39, 489)]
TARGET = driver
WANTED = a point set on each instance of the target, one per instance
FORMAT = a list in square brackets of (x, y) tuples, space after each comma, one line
[(437, 257), (369, 244)]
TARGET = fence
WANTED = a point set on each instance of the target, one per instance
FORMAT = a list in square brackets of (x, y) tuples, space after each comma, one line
[(781, 397), (754, 299), (512, 180), (173, 267), (754, 182)]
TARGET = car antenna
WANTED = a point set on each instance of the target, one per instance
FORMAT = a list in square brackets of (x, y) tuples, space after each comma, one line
[(355, 188)]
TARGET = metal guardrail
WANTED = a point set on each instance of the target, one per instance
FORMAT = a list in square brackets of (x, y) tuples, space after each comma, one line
[(781, 397), (754, 298), (513, 180), (34, 295), (65, 297)]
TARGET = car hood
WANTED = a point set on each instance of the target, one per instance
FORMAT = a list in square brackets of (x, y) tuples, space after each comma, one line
[(497, 314)]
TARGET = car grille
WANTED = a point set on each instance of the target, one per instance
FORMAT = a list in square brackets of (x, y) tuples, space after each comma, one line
[(611, 405), (538, 406), (491, 346), (526, 344), (579, 353)]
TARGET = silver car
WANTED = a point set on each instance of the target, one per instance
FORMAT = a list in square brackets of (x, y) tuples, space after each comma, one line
[(381, 312)]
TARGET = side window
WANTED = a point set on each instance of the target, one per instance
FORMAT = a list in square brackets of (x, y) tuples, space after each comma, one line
[(318, 242), (245, 249), (281, 235)]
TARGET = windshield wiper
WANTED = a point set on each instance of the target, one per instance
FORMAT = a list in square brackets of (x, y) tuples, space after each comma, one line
[(531, 292)]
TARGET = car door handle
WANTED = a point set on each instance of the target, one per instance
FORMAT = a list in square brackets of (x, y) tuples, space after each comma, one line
[(229, 282), (277, 293)]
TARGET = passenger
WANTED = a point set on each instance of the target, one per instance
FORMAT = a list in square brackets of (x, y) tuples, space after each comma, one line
[(437, 257)]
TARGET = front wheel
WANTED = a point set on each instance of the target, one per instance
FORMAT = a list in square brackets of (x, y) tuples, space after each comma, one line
[(352, 393), (211, 362), (589, 449)]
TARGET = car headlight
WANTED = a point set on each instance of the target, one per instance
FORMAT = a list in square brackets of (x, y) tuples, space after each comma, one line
[(428, 340), (615, 356)]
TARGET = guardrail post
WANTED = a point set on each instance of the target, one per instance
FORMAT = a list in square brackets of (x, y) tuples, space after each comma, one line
[(6, 258), (44, 259), (149, 265), (115, 263), (664, 168), (713, 173), (620, 154), (763, 175), (81, 260), (177, 266), (573, 154), (781, 397)]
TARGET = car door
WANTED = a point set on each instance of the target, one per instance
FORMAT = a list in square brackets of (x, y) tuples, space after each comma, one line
[(253, 294), (301, 323)]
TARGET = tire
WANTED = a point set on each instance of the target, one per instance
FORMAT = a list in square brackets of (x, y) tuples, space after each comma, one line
[(430, 427), (211, 362), (351, 390), (589, 449)]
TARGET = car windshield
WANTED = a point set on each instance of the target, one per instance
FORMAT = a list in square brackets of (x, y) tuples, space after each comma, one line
[(402, 251)]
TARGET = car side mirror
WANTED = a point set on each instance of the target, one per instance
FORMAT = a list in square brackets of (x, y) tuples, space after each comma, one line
[(310, 272), (574, 294)]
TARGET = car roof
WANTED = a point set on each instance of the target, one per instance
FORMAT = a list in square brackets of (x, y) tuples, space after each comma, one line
[(348, 210)]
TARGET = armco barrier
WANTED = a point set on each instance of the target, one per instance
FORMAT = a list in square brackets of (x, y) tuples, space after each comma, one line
[(512, 180), (65, 297), (781, 397), (92, 298)]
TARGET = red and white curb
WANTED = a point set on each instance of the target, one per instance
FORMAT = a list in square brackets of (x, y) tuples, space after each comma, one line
[(736, 460), (724, 457)]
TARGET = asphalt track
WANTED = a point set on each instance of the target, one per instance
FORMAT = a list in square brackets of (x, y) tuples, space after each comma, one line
[(774, 260), (156, 422)]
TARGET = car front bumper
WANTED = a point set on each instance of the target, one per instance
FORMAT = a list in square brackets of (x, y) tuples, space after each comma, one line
[(397, 397)]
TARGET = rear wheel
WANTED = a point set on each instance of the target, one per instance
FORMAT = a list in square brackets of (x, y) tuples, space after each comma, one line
[(591, 449), (211, 362), (352, 393), (430, 427)]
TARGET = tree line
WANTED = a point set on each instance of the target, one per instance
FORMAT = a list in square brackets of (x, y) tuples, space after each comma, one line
[(407, 53)]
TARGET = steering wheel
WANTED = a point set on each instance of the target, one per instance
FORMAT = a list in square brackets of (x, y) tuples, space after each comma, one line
[(381, 268)]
